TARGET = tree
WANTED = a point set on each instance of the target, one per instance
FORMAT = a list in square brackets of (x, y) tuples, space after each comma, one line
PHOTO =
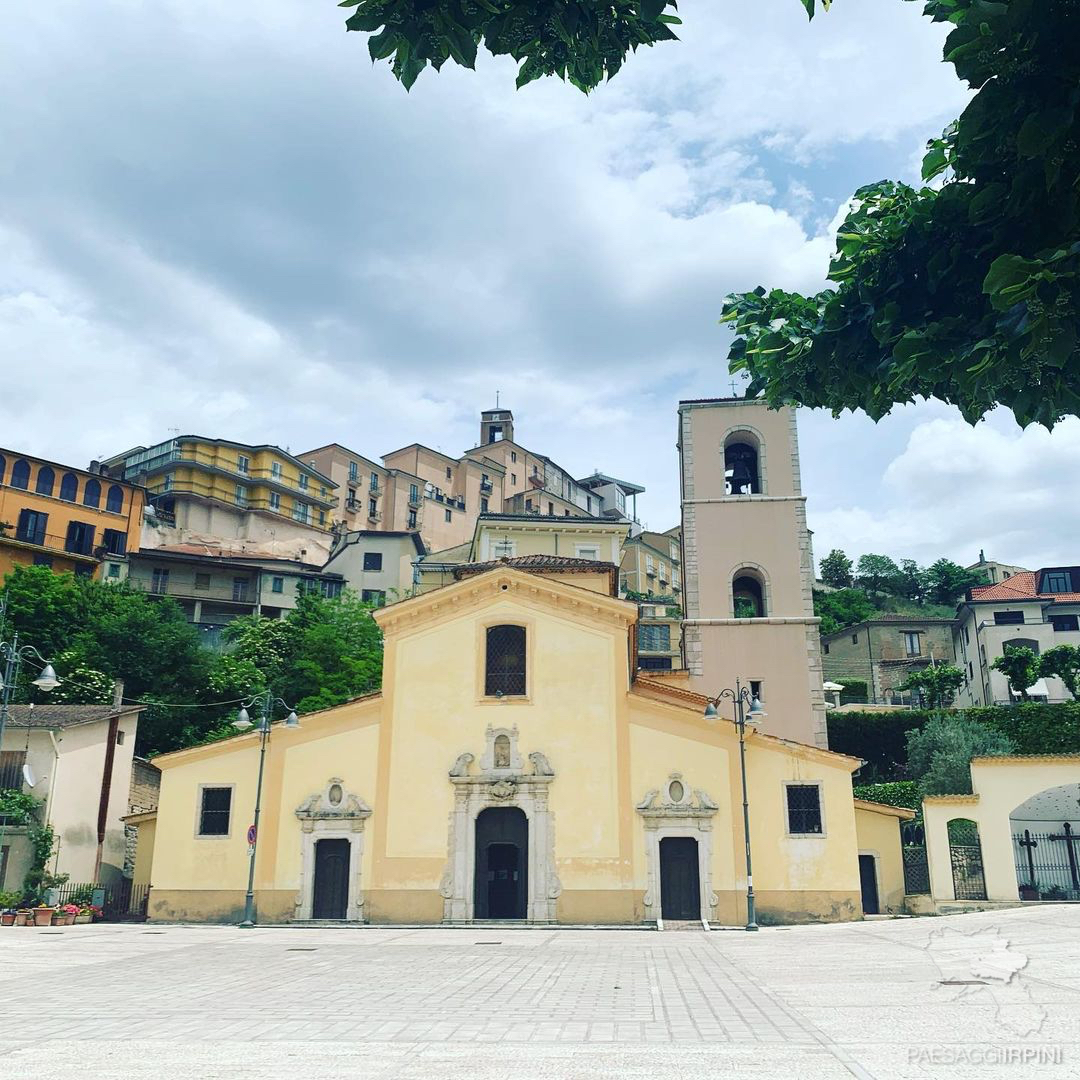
[(842, 608), (324, 652), (96, 631), (1020, 666), (836, 569), (948, 581), (968, 292), (936, 684), (877, 573), (911, 581), (939, 754), (583, 41), (1064, 662)]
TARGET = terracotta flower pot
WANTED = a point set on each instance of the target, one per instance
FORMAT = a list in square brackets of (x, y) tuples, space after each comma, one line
[(69, 919), (43, 916), (58, 918), (7, 918), (23, 918)]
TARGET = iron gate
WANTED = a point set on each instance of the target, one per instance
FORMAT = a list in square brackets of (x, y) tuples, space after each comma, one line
[(965, 854), (916, 867), (1047, 864)]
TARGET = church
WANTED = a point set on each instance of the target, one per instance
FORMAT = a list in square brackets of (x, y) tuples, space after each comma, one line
[(517, 766)]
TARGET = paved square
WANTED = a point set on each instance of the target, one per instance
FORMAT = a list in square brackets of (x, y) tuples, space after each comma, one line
[(969, 995)]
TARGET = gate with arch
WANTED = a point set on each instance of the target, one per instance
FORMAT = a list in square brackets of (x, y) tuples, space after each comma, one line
[(965, 857)]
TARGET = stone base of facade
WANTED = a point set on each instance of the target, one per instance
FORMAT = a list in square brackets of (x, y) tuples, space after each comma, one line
[(577, 907)]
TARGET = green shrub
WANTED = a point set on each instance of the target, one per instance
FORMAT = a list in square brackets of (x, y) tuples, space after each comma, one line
[(855, 692), (940, 754)]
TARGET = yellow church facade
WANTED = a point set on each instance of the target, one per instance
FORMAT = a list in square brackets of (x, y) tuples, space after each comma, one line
[(511, 768)]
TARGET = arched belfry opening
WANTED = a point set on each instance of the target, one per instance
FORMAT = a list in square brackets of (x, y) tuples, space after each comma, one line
[(748, 595), (742, 466)]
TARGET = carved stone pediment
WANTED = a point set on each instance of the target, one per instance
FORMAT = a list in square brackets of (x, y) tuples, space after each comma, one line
[(677, 800), (332, 804)]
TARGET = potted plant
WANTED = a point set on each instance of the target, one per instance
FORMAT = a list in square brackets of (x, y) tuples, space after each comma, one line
[(69, 911), (1029, 892), (86, 914), (8, 900), (43, 915), (24, 916)]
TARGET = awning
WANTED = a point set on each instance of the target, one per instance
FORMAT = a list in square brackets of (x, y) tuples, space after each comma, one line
[(1038, 689)]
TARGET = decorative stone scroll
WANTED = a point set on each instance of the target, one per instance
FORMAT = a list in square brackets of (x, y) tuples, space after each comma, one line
[(676, 809), (501, 780), (333, 813)]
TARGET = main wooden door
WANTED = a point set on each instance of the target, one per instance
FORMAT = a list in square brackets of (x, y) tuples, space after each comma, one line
[(868, 880), (680, 883), (331, 896), (502, 860)]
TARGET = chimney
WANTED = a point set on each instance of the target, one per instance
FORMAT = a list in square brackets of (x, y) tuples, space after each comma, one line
[(117, 693)]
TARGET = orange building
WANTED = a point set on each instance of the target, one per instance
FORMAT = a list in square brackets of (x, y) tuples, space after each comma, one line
[(68, 519)]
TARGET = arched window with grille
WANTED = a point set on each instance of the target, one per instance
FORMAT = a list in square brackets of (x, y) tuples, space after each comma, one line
[(114, 501), (20, 474), (92, 493), (69, 487), (46, 481), (3, 468), (505, 661)]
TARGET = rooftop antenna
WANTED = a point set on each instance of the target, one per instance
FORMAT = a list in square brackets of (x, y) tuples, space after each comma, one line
[(497, 393)]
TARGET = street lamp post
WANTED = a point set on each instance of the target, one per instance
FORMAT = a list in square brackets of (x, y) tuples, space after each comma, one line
[(747, 710), (266, 701), (12, 654)]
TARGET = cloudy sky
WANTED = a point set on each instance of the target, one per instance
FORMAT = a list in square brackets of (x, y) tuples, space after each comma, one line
[(222, 218)]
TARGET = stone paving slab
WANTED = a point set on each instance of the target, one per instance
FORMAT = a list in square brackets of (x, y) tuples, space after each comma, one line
[(861, 1000)]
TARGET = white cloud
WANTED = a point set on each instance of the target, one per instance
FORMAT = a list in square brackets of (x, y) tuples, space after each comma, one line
[(956, 489), (236, 225)]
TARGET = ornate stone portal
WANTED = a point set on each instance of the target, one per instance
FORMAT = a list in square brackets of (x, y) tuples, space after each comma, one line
[(501, 781), (332, 813), (678, 810)]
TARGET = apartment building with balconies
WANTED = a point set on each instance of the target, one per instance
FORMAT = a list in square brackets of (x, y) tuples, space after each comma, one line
[(214, 587), (218, 490), (651, 565), (1035, 609), (66, 518)]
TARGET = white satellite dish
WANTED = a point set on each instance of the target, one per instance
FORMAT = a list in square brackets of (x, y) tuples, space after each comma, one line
[(28, 774)]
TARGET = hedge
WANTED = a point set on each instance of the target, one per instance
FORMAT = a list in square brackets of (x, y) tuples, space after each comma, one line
[(898, 793), (881, 738)]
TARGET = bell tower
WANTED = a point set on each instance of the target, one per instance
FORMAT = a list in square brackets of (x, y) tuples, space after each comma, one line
[(496, 425), (748, 565)]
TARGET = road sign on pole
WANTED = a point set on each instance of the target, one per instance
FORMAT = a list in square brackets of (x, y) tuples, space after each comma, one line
[(251, 834)]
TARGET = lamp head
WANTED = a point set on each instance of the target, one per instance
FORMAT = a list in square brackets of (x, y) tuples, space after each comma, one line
[(710, 712), (242, 721), (292, 720), (756, 712), (47, 680)]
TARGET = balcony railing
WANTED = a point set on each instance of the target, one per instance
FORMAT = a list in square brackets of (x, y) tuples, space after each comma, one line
[(245, 502), (415, 501), (226, 592), (51, 543), (374, 515), (486, 486), (375, 489), (251, 476)]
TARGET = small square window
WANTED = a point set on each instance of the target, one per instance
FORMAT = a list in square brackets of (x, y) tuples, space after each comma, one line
[(114, 570), (825, 648), (215, 811), (854, 639), (374, 596), (513, 457), (513, 479), (277, 585), (372, 560), (275, 501), (120, 738), (449, 473), (303, 481), (912, 643), (804, 809), (449, 515), (202, 581)]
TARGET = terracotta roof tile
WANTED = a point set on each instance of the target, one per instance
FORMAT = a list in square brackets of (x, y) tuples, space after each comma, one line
[(1022, 586), (61, 716)]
